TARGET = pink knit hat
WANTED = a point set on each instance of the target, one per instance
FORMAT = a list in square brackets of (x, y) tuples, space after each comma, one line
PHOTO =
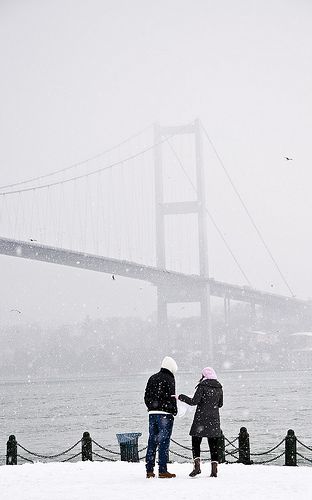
[(209, 373)]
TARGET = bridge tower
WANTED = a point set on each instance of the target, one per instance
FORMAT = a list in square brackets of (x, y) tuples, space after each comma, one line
[(198, 293)]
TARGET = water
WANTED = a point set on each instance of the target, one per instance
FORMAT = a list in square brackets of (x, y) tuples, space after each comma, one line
[(49, 416)]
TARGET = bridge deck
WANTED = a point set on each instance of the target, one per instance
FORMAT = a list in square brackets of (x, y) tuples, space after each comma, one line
[(171, 281)]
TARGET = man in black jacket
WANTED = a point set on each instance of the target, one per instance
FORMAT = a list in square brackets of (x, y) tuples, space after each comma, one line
[(162, 406)]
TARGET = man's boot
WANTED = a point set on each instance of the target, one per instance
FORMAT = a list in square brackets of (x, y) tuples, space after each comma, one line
[(166, 475), (214, 469), (196, 469)]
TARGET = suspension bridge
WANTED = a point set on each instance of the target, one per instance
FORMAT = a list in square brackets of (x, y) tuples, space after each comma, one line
[(141, 213)]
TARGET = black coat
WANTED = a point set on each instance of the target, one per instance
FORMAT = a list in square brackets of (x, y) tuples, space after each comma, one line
[(159, 391), (208, 398)]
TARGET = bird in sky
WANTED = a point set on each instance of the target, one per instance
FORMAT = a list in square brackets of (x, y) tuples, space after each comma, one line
[(32, 239), (16, 310), (287, 158)]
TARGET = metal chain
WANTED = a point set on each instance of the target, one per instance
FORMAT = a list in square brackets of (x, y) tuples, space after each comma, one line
[(105, 449), (181, 445), (182, 456), (230, 442), (49, 456), (271, 459), (186, 447), (70, 458), (232, 452), (304, 458), (142, 449), (105, 458), (269, 451), (304, 445), (26, 459)]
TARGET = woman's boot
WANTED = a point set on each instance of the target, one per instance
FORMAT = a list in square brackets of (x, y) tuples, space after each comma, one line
[(196, 469), (214, 469)]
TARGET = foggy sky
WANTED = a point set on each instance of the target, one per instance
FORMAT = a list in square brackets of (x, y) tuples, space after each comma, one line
[(78, 77)]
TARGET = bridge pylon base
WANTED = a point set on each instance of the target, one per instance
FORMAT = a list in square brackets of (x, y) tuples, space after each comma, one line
[(201, 337)]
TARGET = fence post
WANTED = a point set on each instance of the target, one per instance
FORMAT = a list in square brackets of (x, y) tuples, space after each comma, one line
[(291, 448), (221, 449), (11, 455), (244, 447), (86, 447)]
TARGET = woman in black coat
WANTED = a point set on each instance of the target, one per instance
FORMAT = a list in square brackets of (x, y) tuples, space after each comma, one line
[(208, 398)]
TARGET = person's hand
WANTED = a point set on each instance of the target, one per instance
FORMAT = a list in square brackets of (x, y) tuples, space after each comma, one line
[(175, 396)]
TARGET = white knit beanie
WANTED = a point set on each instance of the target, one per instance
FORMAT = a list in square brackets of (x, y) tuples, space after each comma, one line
[(169, 364)]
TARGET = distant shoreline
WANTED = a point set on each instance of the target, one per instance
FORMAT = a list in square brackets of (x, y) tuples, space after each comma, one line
[(98, 375)]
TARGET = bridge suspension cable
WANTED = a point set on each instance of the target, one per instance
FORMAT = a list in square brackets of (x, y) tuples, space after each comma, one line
[(209, 214), (255, 226), (87, 174), (77, 164)]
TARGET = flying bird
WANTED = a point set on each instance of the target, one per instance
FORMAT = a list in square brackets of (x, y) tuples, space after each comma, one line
[(16, 310), (31, 239), (287, 158)]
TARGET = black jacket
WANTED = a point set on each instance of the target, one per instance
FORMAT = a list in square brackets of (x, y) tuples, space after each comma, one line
[(208, 398), (159, 391)]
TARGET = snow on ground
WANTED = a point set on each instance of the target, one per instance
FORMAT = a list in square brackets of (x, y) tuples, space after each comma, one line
[(120, 480)]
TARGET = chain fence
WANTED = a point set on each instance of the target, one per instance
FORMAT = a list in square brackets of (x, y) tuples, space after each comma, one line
[(236, 450)]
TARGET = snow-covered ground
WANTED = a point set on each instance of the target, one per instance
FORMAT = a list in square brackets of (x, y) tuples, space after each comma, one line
[(120, 480)]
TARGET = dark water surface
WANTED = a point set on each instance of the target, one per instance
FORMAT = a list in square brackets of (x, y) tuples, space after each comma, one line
[(49, 416)]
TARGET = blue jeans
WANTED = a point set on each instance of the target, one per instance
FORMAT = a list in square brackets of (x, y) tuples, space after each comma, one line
[(160, 429)]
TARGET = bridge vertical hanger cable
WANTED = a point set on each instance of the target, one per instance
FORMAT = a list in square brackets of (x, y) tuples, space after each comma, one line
[(7, 218), (85, 213), (22, 220), (209, 215), (53, 215), (133, 202), (82, 176), (77, 213), (114, 226), (107, 217), (121, 211), (142, 201), (38, 217), (59, 216), (247, 211), (17, 214), (136, 227), (98, 213), (48, 213), (45, 216), (92, 204), (54, 207), (77, 164), (72, 227), (32, 201)]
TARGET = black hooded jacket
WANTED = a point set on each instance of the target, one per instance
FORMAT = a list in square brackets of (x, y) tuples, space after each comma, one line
[(159, 391), (208, 398)]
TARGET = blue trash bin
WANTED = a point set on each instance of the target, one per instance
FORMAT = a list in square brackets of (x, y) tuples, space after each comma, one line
[(129, 446)]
